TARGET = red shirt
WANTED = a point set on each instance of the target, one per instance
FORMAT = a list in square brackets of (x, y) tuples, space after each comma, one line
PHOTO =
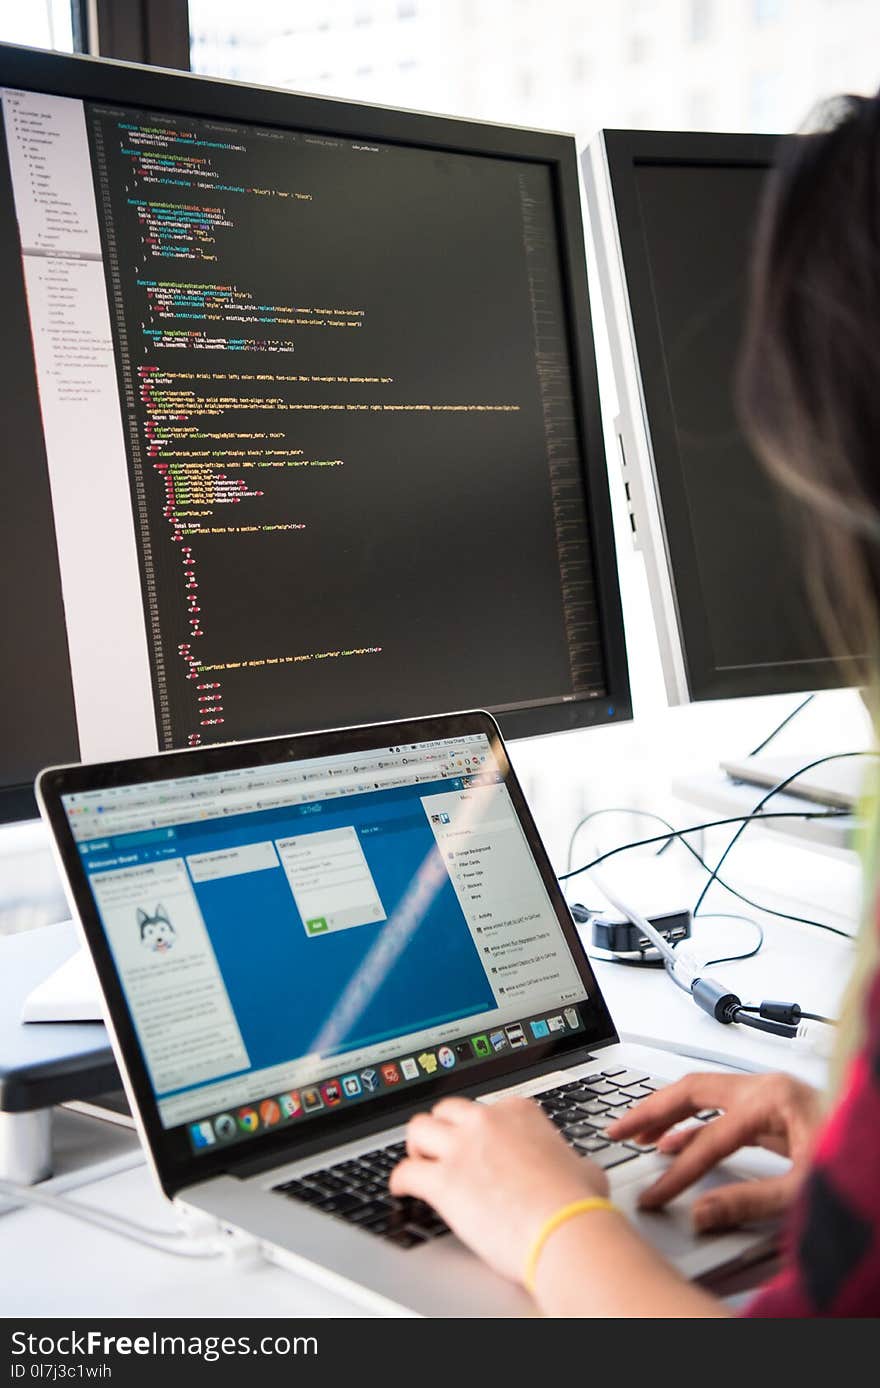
[(832, 1264)]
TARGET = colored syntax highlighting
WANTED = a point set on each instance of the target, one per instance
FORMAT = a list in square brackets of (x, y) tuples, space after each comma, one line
[(310, 388)]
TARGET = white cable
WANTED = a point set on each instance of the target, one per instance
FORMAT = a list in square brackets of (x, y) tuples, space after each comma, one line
[(637, 919), (86, 1175), (817, 1037), (175, 1241)]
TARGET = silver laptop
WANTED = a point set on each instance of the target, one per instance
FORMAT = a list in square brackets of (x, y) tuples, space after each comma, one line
[(305, 940)]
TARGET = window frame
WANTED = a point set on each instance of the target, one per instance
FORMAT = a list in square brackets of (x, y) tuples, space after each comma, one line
[(154, 32)]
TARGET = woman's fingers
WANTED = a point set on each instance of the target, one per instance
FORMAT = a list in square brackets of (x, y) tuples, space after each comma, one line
[(453, 1110), (416, 1177), (710, 1145), (674, 1102), (741, 1203), (675, 1141), (434, 1134), (427, 1136)]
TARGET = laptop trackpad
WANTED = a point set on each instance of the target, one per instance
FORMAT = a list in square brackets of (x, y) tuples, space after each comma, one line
[(671, 1230)]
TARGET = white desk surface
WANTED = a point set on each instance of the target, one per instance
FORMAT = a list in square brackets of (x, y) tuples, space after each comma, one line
[(65, 1268)]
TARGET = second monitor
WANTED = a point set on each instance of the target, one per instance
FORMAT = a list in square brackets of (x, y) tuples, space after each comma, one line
[(674, 217)]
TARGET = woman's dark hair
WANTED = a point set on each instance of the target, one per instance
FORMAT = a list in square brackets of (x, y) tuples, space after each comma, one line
[(809, 382)]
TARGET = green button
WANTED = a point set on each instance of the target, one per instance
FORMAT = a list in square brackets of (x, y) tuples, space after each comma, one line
[(317, 926)]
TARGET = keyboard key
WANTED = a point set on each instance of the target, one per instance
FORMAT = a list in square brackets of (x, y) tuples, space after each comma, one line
[(340, 1204), (615, 1155), (405, 1238), (329, 1184), (590, 1145), (290, 1187), (593, 1106), (423, 1217), (379, 1225), (637, 1091), (637, 1148), (598, 1086), (577, 1130), (616, 1101), (364, 1214), (309, 1195), (345, 1168), (628, 1077), (705, 1114), (434, 1229), (614, 1071)]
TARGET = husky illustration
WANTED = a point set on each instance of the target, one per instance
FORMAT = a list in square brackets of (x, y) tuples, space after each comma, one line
[(157, 932)]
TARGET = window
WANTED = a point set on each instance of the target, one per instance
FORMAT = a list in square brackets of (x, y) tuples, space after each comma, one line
[(38, 24), (701, 20), (557, 64), (764, 100), (768, 11), (700, 110)]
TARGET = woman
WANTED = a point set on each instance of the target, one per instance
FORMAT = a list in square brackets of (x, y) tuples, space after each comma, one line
[(501, 1175)]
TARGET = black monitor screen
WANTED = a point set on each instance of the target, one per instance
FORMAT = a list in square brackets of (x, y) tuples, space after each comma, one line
[(310, 408), (735, 542)]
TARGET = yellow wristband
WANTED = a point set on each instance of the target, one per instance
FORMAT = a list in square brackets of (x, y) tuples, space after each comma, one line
[(577, 1207)]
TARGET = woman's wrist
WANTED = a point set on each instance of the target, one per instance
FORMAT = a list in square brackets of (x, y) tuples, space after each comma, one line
[(599, 1265), (572, 1255), (564, 1214)]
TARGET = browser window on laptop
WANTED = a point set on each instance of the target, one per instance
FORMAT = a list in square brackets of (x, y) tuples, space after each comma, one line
[(298, 938)]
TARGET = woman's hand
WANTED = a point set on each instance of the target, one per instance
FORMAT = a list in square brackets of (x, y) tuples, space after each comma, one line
[(771, 1111), (495, 1173)]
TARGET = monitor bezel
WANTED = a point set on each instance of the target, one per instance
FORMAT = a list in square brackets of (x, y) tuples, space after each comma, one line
[(661, 472), (175, 1166), (103, 80)]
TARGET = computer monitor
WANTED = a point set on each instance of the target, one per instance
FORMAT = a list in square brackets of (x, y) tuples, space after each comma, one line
[(301, 420), (673, 217)]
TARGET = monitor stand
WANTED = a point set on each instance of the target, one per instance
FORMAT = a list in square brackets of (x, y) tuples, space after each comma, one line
[(71, 993)]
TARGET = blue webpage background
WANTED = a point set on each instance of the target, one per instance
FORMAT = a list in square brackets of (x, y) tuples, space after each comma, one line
[(283, 983)]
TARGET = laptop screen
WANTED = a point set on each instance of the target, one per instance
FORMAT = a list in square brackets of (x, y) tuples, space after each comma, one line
[(310, 935)]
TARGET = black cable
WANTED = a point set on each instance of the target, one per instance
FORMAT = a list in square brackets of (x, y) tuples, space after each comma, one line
[(756, 812), (610, 809), (784, 724), (760, 747), (760, 1024), (790, 1013), (695, 829), (650, 814), (775, 1018), (732, 958), (714, 824)]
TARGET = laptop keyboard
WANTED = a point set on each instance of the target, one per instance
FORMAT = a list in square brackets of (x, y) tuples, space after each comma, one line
[(357, 1190)]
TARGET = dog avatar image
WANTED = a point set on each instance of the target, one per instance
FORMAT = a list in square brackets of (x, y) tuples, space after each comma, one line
[(157, 932)]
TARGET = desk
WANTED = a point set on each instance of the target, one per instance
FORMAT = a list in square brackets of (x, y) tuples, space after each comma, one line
[(63, 1268)]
